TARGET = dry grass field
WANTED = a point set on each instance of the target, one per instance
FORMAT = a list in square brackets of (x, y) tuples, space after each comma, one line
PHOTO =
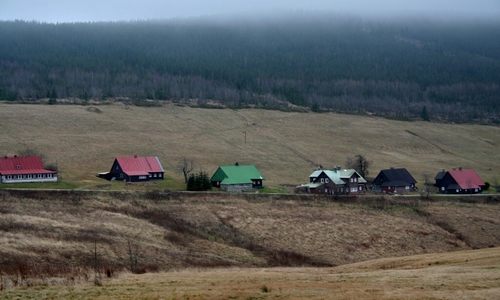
[(51, 239), (285, 147), (224, 246), (459, 275)]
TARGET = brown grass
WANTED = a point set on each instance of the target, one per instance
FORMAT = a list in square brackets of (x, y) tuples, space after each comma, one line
[(53, 235), (458, 275), (284, 146)]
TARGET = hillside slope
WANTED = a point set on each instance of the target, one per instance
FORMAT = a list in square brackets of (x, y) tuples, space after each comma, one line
[(285, 147), (458, 275), (47, 234)]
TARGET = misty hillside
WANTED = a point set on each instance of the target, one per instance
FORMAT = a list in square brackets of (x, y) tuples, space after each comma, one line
[(438, 70)]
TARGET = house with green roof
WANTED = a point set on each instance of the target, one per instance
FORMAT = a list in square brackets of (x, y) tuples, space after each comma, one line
[(237, 178)]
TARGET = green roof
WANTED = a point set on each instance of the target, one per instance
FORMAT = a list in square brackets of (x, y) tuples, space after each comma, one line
[(236, 174)]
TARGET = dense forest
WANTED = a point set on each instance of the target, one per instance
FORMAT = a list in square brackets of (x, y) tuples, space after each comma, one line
[(419, 68)]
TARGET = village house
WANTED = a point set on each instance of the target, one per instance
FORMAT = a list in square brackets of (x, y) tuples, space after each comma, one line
[(134, 169), (18, 169), (237, 178), (459, 182), (394, 181), (337, 181)]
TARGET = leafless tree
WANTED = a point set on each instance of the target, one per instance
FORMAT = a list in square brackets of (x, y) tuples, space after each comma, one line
[(496, 185), (427, 186), (186, 166), (358, 163), (133, 254)]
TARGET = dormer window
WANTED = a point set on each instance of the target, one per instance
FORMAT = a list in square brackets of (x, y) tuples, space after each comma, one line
[(18, 167)]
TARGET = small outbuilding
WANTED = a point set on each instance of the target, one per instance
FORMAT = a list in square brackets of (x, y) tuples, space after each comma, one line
[(394, 180), (237, 178), (134, 169), (18, 169), (459, 182)]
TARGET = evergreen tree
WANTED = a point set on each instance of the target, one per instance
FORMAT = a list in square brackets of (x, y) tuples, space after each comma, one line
[(424, 114), (199, 182)]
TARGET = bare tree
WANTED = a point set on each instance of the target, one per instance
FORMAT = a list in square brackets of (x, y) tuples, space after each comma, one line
[(133, 254), (359, 163), (496, 185), (186, 166), (427, 186)]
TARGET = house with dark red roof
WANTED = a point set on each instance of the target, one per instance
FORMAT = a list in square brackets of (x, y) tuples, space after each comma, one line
[(394, 180), (459, 182), (133, 169), (19, 169)]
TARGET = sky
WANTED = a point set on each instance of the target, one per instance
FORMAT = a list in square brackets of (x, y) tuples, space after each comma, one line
[(61, 11)]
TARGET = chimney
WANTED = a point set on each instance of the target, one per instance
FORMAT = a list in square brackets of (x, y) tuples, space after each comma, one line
[(460, 168), (236, 164), (135, 156)]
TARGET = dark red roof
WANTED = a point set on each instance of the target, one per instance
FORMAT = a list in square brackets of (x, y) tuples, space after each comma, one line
[(466, 179), (134, 166), (22, 165)]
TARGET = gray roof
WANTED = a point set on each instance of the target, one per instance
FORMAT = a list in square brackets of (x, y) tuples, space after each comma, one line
[(338, 176)]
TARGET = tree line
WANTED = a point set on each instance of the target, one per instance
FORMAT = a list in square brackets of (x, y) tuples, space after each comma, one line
[(392, 68)]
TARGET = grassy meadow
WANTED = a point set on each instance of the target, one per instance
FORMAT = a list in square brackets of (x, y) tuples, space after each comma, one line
[(53, 244), (459, 275), (284, 146)]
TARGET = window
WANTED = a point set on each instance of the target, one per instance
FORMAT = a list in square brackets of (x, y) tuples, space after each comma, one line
[(154, 175), (322, 180), (159, 175), (360, 188), (327, 180), (355, 180), (351, 180), (326, 191)]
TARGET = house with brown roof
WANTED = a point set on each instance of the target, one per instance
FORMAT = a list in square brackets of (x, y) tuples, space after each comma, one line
[(336, 181), (18, 169), (459, 182), (134, 169)]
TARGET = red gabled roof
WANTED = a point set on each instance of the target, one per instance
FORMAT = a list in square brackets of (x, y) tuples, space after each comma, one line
[(466, 179), (134, 166), (22, 165)]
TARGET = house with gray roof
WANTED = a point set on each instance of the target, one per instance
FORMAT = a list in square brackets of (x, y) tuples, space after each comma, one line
[(394, 180), (336, 181), (237, 178)]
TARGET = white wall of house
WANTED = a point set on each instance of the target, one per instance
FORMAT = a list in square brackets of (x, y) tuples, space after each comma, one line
[(28, 178)]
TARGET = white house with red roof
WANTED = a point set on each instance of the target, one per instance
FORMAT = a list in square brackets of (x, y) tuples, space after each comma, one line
[(133, 169), (459, 182), (19, 169)]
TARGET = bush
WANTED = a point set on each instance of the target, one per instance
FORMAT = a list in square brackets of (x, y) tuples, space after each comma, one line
[(199, 182)]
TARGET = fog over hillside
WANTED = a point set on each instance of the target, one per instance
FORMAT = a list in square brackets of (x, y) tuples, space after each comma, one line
[(57, 11)]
